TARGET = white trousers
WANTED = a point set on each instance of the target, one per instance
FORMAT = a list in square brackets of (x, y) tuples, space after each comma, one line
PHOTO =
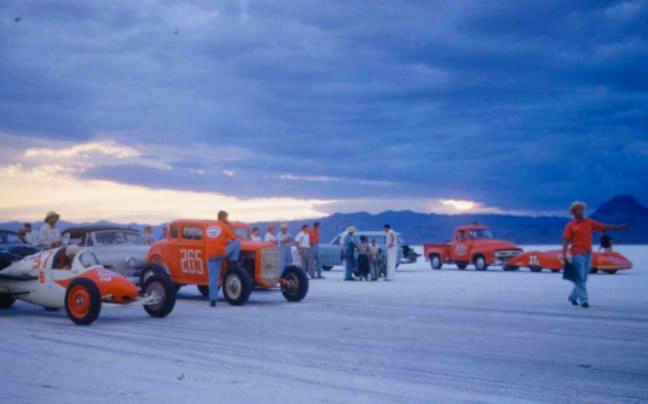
[(392, 256)]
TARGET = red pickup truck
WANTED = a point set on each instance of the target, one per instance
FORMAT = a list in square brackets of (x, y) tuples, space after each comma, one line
[(472, 244)]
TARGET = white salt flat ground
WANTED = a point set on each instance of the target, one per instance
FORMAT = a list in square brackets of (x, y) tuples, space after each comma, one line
[(431, 336)]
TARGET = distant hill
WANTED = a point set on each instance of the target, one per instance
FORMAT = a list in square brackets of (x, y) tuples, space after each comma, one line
[(418, 228)]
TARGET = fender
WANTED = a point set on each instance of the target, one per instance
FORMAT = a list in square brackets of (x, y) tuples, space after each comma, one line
[(111, 284)]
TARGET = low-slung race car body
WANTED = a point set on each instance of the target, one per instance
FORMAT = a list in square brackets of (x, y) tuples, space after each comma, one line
[(82, 286), (536, 261)]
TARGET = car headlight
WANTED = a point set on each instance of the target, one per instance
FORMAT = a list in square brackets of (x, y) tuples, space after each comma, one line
[(131, 262)]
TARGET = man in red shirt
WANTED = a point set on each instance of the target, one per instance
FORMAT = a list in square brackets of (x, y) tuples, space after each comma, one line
[(314, 240), (577, 237), (222, 243)]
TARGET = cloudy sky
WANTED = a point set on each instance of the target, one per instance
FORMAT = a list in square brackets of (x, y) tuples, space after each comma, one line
[(150, 110)]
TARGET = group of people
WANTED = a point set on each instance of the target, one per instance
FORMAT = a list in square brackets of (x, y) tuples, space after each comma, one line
[(47, 236), (306, 243), (369, 256)]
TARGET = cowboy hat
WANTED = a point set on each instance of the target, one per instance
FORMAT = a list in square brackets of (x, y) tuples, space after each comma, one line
[(351, 229), (51, 213), (577, 204)]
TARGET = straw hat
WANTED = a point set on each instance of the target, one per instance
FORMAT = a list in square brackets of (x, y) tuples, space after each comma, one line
[(351, 229), (72, 250), (51, 213), (577, 204), (283, 226)]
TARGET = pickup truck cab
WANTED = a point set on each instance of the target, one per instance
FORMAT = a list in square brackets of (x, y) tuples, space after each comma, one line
[(472, 244)]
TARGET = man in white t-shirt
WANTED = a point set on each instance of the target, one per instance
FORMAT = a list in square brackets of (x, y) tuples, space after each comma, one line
[(48, 235), (285, 241), (302, 240), (391, 245), (270, 236)]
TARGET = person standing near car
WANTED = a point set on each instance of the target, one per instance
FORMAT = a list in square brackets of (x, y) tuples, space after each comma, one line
[(147, 234), (256, 237), (48, 235), (285, 240), (391, 245), (222, 243), (303, 246), (349, 245), (270, 235), (374, 259), (577, 248), (314, 243)]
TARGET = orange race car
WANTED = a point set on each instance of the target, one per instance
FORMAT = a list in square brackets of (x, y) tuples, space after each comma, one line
[(181, 255), (609, 262)]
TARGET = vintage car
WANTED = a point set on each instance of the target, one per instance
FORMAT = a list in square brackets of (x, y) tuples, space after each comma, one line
[(117, 248), (330, 254), (609, 262), (82, 286), (472, 244), (181, 255), (13, 248)]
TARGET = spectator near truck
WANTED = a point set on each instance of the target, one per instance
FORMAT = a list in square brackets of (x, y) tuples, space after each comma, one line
[(472, 244)]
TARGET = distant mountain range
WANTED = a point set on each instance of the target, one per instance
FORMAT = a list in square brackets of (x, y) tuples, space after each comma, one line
[(418, 228)]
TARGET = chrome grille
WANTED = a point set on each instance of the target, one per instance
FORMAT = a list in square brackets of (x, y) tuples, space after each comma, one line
[(506, 254), (270, 264)]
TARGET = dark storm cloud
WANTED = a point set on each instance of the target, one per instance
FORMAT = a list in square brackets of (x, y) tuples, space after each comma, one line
[(518, 105)]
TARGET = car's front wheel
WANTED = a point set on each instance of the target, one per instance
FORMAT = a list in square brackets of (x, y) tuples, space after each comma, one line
[(82, 301), (160, 286), (480, 263), (435, 261), (294, 284), (237, 286)]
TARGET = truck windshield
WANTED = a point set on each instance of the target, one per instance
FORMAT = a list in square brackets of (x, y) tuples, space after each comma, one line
[(481, 235)]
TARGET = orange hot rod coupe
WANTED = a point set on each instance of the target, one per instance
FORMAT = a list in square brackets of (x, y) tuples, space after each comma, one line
[(609, 262), (181, 256)]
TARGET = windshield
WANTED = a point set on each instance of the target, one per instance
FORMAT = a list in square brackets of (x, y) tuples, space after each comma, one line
[(114, 237), (242, 233), (88, 259), (481, 235)]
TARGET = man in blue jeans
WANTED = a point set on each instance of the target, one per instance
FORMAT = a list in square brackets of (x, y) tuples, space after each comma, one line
[(349, 244), (578, 239), (222, 243)]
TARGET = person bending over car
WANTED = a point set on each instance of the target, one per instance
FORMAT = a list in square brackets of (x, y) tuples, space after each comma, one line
[(578, 238), (222, 243)]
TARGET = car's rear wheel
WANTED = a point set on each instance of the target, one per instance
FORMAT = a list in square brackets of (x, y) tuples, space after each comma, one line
[(480, 263), (82, 301), (327, 267), (161, 286), (295, 284), (535, 268), (462, 265), (203, 289), (237, 286), (435, 261), (6, 301)]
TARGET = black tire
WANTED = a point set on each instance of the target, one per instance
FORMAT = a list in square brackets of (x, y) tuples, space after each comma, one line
[(6, 301), (151, 269), (237, 286), (327, 268), (511, 267), (611, 272), (162, 285), (534, 268), (593, 270), (75, 297), (462, 265), (178, 286), (299, 280), (555, 271), (435, 261), (203, 289), (479, 261)]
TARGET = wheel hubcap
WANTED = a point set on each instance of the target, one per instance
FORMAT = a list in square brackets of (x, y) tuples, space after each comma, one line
[(234, 286), (79, 301)]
